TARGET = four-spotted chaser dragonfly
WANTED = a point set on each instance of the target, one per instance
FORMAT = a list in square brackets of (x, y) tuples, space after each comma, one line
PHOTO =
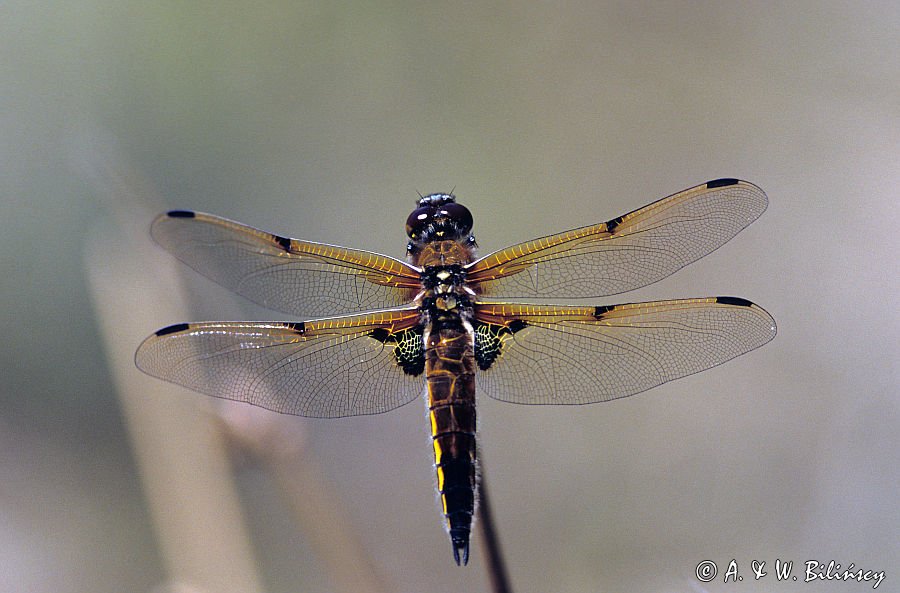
[(375, 326)]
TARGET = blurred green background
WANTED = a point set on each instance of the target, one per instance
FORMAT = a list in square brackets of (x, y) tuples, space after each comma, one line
[(321, 120)]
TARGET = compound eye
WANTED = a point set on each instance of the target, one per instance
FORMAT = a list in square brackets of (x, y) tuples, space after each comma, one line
[(459, 214), (418, 220)]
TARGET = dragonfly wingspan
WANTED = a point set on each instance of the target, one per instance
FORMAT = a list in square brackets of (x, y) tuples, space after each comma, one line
[(297, 277), (326, 368), (549, 354), (624, 253), (434, 322)]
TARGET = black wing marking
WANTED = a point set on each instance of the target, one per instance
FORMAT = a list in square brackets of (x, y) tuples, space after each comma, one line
[(296, 277), (326, 368), (624, 253), (579, 355)]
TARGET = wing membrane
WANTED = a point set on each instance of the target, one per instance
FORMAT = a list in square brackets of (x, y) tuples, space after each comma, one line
[(297, 277), (579, 355), (327, 368), (625, 253)]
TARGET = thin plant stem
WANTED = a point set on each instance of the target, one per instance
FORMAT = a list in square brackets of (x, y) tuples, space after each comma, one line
[(496, 564)]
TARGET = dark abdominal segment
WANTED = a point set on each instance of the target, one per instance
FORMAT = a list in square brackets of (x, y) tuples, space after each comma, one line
[(456, 484), (450, 373)]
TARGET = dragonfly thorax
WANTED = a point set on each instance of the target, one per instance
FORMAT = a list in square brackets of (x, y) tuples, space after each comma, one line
[(445, 299)]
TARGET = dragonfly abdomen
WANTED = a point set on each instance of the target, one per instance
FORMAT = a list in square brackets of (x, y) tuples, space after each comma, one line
[(450, 376)]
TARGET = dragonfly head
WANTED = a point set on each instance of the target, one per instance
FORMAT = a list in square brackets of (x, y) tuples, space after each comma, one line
[(439, 218)]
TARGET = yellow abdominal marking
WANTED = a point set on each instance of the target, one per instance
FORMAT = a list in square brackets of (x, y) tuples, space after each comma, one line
[(440, 471), (437, 451)]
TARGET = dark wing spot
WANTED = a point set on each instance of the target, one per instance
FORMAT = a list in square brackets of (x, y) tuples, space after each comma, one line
[(283, 242), (721, 182), (600, 310), (381, 334), (737, 301), (180, 214), (297, 326), (409, 349), (488, 341), (178, 327), (612, 224)]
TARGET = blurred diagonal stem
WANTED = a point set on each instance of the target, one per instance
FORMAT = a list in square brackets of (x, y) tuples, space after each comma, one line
[(496, 565), (185, 473), (279, 445), (180, 442)]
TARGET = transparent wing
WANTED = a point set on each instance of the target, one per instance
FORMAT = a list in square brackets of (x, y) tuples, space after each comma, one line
[(579, 355), (301, 278), (624, 253), (327, 368)]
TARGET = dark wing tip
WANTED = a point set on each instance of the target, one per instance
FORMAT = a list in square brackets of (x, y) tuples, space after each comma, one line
[(736, 301), (172, 329), (181, 214), (739, 302), (725, 181)]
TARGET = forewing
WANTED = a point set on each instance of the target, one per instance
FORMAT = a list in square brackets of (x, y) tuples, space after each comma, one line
[(624, 253), (327, 368), (301, 278), (580, 355)]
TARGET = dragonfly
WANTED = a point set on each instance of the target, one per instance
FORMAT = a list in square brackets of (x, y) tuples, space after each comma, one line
[(374, 332)]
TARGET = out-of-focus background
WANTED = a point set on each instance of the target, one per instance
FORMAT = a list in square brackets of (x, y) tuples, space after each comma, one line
[(322, 120)]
